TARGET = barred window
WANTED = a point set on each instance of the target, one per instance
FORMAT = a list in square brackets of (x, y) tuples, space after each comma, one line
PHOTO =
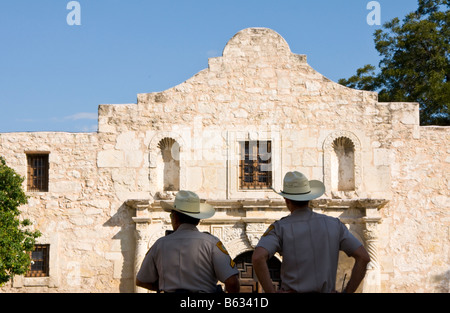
[(255, 166), (39, 261), (37, 179)]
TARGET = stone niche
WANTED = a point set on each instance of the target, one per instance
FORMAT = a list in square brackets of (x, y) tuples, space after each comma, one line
[(343, 165), (167, 168), (169, 164)]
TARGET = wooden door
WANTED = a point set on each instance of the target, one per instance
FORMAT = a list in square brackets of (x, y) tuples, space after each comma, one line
[(247, 277)]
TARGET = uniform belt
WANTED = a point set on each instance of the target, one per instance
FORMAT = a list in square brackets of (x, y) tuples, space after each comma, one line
[(179, 291), (293, 291), (218, 290)]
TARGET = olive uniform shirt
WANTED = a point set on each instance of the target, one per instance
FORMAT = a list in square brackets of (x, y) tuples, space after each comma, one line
[(310, 244), (187, 260)]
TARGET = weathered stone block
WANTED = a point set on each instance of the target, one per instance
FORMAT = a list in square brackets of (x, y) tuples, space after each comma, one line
[(110, 158)]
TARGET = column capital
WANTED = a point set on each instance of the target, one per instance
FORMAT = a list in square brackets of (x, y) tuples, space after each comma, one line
[(142, 209)]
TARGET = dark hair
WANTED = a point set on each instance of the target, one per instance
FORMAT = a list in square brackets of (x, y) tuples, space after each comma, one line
[(184, 219), (299, 203)]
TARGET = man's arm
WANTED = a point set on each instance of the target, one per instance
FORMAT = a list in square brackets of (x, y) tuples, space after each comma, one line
[(149, 286), (362, 258), (232, 284), (259, 259)]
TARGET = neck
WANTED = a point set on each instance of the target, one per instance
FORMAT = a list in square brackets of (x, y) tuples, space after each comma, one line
[(297, 205), (302, 208)]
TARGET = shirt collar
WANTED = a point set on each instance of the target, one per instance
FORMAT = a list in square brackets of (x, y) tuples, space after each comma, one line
[(186, 226), (304, 214)]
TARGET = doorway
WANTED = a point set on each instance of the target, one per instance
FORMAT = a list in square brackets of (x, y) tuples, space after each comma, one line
[(247, 277)]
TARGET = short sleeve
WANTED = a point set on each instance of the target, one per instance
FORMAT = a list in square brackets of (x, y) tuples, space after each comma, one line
[(224, 266), (270, 240), (347, 242), (148, 272)]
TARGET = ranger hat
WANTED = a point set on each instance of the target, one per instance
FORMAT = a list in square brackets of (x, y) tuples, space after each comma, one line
[(298, 188), (188, 203)]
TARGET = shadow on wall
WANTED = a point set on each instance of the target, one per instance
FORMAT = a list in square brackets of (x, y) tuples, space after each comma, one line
[(346, 263), (122, 251), (344, 271), (442, 282)]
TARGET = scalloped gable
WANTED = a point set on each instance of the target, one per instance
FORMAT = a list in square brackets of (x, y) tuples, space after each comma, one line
[(256, 61)]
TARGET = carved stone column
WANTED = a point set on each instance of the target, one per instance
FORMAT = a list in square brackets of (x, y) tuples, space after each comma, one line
[(142, 220), (372, 281)]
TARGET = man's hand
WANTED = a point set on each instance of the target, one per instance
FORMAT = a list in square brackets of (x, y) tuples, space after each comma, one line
[(149, 286)]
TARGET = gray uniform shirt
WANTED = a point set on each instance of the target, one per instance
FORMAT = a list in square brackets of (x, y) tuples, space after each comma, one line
[(310, 244), (188, 260)]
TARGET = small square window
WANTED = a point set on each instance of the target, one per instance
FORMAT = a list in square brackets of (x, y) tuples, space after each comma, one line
[(39, 261)]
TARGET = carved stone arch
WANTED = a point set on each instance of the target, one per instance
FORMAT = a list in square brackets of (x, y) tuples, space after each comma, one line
[(237, 250), (345, 145), (155, 142)]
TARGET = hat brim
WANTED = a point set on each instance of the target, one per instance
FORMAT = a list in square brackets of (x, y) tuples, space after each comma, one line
[(317, 190), (206, 210)]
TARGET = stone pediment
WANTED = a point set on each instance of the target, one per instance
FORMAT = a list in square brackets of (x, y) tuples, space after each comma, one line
[(256, 62)]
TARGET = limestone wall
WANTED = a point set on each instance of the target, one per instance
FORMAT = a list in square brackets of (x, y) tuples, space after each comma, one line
[(258, 90), (416, 225), (86, 225)]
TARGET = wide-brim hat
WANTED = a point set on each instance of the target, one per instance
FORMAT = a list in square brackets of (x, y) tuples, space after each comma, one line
[(188, 203), (297, 187)]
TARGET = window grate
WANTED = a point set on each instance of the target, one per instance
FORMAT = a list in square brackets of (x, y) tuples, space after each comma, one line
[(37, 178), (255, 166), (39, 261)]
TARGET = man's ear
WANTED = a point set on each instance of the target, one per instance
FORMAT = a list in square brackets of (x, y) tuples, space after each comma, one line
[(288, 202)]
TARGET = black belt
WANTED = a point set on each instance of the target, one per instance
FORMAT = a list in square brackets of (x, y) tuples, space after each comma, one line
[(180, 291), (218, 290)]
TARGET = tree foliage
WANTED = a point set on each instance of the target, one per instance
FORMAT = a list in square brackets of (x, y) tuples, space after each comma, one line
[(15, 240), (415, 64)]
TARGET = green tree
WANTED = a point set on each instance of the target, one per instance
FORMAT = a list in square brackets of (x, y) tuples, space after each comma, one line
[(15, 240), (415, 63)]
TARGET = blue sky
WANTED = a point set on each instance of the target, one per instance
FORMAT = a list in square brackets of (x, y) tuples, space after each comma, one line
[(53, 76)]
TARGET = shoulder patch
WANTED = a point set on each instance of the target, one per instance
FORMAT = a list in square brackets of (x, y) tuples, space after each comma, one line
[(222, 247), (224, 250), (271, 227)]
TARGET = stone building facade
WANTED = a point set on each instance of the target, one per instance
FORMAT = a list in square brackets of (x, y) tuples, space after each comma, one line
[(230, 133)]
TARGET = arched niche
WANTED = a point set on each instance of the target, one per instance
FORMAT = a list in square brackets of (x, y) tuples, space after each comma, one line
[(342, 164), (169, 167), (167, 163)]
